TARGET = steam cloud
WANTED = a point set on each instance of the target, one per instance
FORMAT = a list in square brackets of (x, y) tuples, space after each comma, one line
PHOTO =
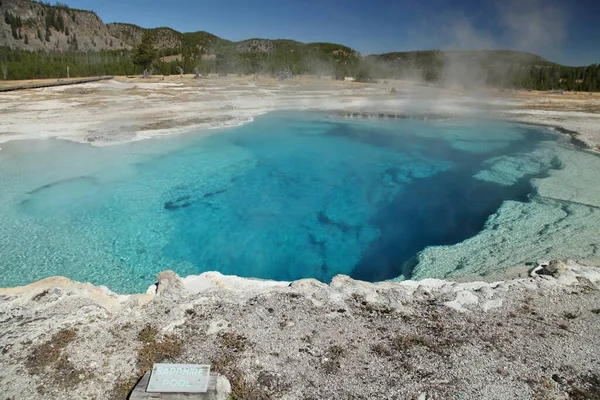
[(533, 25), (529, 25)]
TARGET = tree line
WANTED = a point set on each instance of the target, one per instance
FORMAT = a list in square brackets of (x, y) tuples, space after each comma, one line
[(296, 58), (21, 64), (493, 68)]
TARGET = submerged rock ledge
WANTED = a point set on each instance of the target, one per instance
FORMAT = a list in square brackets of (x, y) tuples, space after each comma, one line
[(520, 338)]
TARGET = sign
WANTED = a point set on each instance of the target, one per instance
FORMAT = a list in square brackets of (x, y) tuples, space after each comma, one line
[(179, 378)]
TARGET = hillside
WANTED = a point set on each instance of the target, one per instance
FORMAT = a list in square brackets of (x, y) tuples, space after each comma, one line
[(29, 25), (419, 58), (78, 39), (168, 39), (477, 66), (131, 35)]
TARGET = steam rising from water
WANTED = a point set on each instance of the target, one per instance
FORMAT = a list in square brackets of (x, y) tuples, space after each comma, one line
[(533, 26)]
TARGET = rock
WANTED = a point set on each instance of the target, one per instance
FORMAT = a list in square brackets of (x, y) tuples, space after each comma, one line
[(223, 388), (555, 268), (217, 326), (536, 271), (170, 285), (307, 284), (491, 304), (463, 298)]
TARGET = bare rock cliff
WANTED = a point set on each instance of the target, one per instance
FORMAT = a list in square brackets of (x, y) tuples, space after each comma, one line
[(30, 25)]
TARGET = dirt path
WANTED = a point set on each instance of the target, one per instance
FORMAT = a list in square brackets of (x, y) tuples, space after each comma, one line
[(44, 83)]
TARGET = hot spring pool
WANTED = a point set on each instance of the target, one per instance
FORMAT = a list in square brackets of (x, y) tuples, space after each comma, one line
[(289, 196)]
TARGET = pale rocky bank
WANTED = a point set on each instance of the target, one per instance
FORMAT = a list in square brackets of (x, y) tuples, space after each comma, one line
[(130, 108), (535, 336)]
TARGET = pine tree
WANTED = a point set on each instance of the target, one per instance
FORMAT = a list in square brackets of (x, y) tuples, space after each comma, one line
[(145, 53), (60, 23)]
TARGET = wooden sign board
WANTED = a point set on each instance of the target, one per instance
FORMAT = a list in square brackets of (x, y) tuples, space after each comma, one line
[(179, 378)]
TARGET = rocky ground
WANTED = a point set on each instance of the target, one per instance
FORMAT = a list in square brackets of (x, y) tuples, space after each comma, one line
[(131, 108), (577, 112), (527, 338), (523, 338)]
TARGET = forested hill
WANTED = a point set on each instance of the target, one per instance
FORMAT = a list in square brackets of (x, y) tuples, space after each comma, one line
[(31, 25), (489, 56), (501, 68), (39, 40), (38, 26)]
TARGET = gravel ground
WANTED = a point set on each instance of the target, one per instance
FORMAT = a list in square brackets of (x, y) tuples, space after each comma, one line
[(528, 338), (127, 109)]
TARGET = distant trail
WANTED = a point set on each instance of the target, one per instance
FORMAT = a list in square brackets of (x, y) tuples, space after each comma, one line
[(51, 84)]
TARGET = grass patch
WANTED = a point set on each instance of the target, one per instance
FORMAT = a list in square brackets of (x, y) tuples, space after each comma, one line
[(66, 375), (405, 342), (587, 387), (49, 360), (232, 341), (168, 348), (222, 363), (241, 389), (541, 388), (50, 351), (335, 352), (332, 358), (153, 350), (122, 388), (147, 334), (229, 344), (381, 350), (571, 315)]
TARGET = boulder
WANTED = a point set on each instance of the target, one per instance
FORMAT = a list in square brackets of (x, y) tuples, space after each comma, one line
[(554, 268), (169, 285), (223, 388)]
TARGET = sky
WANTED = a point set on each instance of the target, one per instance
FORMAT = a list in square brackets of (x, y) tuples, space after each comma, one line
[(564, 31)]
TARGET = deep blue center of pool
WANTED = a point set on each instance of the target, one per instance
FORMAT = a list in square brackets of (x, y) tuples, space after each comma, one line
[(289, 196)]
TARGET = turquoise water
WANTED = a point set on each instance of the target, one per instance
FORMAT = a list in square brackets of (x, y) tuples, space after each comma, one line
[(288, 196)]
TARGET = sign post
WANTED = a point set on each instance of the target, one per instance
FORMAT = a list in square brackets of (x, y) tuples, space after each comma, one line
[(179, 378), (177, 381)]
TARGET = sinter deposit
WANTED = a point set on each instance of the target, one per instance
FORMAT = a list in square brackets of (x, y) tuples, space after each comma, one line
[(532, 337)]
